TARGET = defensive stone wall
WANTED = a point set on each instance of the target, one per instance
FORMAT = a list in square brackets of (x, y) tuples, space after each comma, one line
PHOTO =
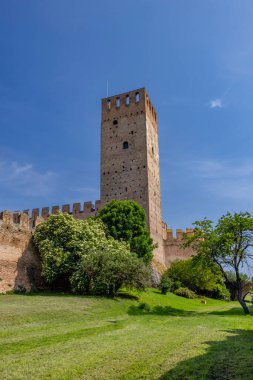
[(20, 267), (77, 210), (173, 246)]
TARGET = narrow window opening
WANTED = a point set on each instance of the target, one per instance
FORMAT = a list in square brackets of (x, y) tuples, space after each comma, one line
[(126, 188), (127, 100), (125, 145), (152, 150), (117, 102), (137, 97), (108, 104), (115, 122)]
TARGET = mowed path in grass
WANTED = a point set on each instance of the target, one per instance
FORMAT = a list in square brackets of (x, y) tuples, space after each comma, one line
[(73, 337)]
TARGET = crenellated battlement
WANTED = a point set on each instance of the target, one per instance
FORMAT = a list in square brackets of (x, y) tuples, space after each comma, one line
[(28, 219), (179, 233), (78, 210), (128, 104), (15, 219)]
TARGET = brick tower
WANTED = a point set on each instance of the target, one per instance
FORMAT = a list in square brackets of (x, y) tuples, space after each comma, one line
[(130, 156)]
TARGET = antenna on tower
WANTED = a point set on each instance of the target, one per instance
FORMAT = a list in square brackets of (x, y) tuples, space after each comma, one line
[(107, 88)]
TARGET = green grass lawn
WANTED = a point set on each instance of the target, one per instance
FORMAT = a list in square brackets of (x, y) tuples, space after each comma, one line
[(73, 337)]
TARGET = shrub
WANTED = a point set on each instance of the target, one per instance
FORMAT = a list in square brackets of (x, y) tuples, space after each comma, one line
[(106, 269), (202, 278), (77, 255), (144, 306), (165, 284), (185, 292), (125, 220), (62, 241)]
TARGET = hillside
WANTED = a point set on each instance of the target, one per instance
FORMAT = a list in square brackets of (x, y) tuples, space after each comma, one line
[(74, 337)]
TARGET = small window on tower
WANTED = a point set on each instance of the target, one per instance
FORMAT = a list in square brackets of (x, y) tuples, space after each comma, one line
[(108, 104), (117, 102), (125, 145), (127, 100), (152, 150), (137, 97), (115, 122)]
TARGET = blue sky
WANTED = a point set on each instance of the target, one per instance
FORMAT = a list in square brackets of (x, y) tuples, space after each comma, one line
[(194, 57)]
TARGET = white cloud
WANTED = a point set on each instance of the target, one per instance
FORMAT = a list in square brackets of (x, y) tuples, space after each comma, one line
[(24, 179), (216, 103)]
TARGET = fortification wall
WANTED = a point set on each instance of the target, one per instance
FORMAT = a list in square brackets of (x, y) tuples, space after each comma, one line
[(20, 267), (77, 210), (173, 246)]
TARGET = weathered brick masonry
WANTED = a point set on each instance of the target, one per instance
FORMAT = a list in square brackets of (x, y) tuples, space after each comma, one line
[(20, 266), (129, 170)]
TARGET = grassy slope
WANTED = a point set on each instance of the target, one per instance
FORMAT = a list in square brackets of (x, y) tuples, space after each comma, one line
[(71, 337)]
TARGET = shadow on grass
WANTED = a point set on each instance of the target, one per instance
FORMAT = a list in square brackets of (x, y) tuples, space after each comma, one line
[(230, 359), (234, 311), (159, 310)]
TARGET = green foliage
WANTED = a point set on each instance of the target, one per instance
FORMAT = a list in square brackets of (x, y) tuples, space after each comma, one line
[(185, 292), (106, 269), (231, 276), (125, 220), (165, 284), (228, 244), (201, 278), (63, 240), (78, 254), (144, 306)]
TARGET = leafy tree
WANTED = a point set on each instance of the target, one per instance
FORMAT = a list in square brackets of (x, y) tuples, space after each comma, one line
[(62, 241), (125, 220), (106, 269), (227, 244), (200, 277), (77, 254)]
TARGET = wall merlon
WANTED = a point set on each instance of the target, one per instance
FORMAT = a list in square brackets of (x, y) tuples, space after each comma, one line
[(55, 210), (76, 208), (45, 212), (88, 207), (98, 205), (179, 233), (66, 209), (7, 217), (24, 221), (35, 213), (169, 233)]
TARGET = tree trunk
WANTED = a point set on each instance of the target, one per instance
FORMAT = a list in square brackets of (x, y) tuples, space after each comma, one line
[(244, 306), (242, 302)]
